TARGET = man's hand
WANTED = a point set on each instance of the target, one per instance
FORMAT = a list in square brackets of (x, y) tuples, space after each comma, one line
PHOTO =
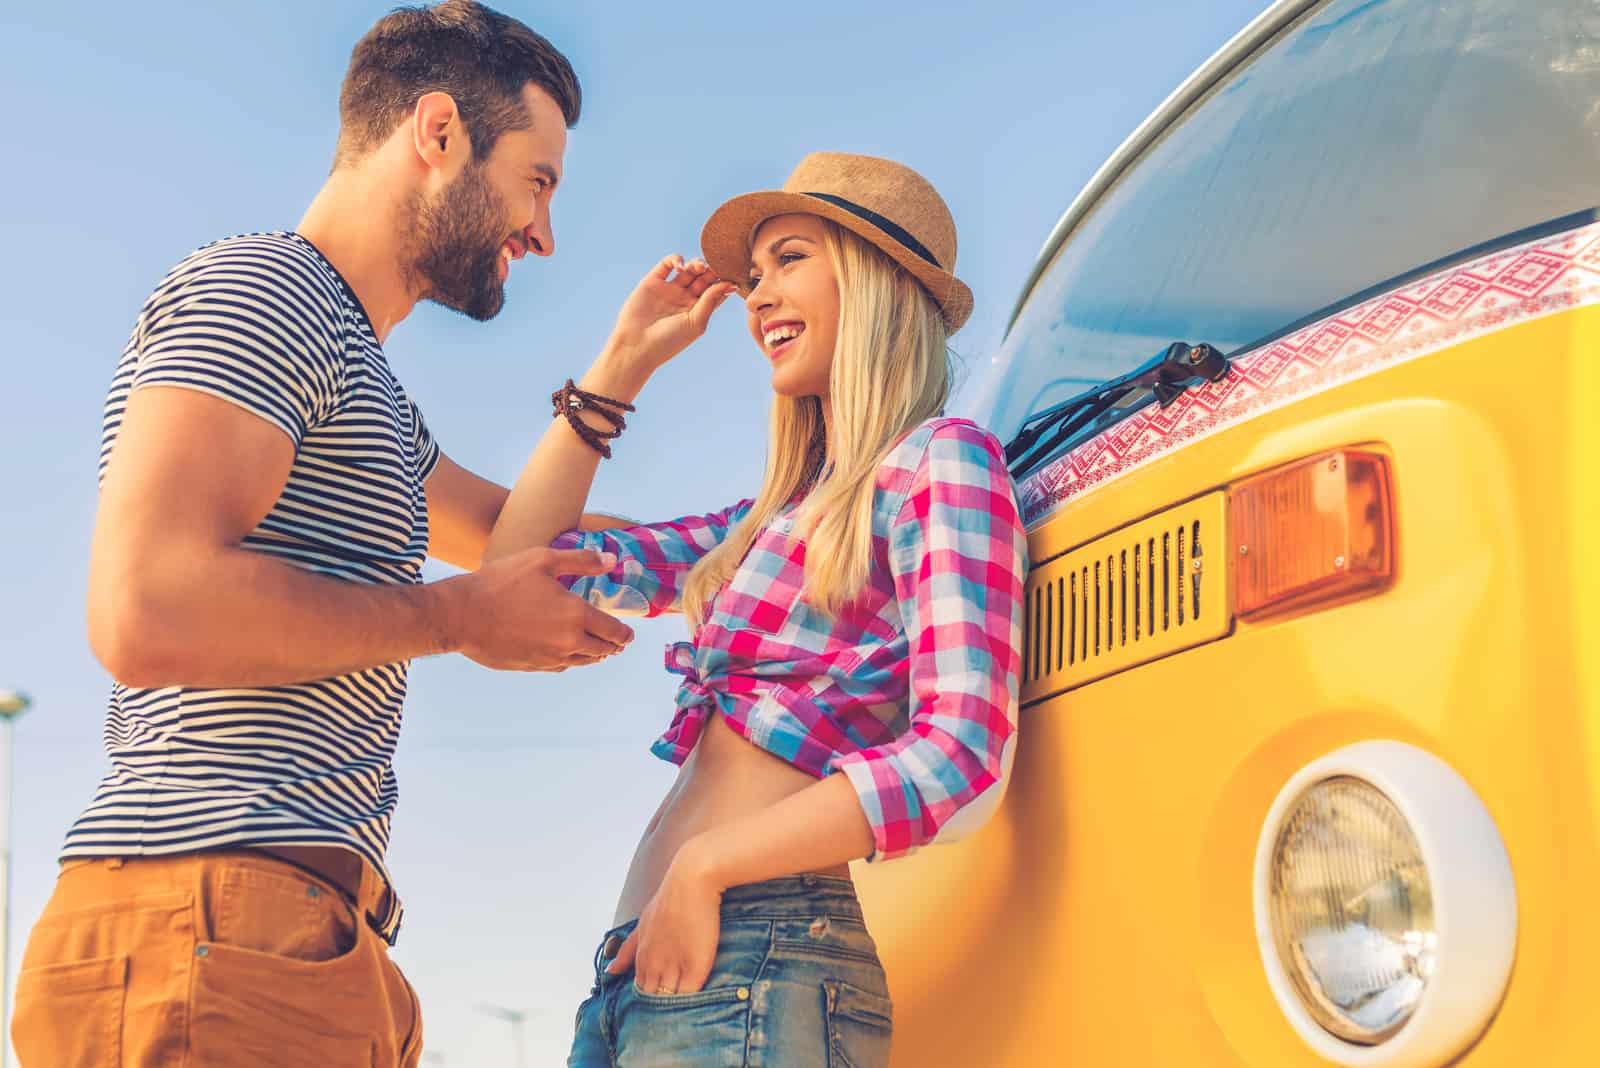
[(513, 615)]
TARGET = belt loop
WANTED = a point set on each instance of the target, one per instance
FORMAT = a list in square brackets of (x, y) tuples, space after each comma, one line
[(364, 896)]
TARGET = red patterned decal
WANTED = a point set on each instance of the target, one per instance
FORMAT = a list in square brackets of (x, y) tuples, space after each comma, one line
[(1511, 286)]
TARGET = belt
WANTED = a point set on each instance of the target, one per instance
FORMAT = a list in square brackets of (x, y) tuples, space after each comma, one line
[(362, 883)]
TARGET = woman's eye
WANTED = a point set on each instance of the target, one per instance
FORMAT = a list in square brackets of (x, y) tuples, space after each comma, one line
[(791, 257), (755, 280)]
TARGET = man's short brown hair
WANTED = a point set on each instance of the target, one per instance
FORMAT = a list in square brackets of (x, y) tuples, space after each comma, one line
[(482, 58)]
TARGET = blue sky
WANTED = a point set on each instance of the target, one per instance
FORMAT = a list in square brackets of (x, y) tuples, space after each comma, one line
[(150, 129)]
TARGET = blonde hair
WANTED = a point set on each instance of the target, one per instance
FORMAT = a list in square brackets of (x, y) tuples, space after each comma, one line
[(891, 371)]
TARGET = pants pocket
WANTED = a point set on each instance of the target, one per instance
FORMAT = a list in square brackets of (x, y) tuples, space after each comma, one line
[(860, 1025), (70, 1015), (267, 910)]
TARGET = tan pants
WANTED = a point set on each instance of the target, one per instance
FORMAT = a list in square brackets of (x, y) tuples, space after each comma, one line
[(204, 961)]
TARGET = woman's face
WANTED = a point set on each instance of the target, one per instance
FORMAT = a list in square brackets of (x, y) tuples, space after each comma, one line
[(794, 303)]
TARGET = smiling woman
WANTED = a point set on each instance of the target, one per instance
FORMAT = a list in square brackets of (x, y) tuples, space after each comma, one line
[(851, 687), (792, 285)]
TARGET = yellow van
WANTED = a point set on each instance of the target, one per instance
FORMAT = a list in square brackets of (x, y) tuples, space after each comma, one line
[(1303, 398)]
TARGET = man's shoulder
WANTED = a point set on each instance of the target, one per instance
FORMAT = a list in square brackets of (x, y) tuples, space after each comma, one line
[(278, 266)]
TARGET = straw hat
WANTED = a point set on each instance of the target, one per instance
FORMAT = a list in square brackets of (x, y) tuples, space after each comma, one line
[(886, 203)]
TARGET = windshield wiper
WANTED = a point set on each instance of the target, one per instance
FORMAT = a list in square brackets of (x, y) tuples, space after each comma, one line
[(1163, 379)]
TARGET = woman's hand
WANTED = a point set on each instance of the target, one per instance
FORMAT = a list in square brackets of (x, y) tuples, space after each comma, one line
[(675, 945), (667, 311)]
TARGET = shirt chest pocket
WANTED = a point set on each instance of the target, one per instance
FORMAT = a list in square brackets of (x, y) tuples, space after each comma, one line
[(764, 594)]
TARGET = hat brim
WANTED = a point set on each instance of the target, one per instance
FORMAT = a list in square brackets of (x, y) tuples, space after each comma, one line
[(725, 244)]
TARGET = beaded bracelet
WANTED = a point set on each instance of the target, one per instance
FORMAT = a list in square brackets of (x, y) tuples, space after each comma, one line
[(569, 400)]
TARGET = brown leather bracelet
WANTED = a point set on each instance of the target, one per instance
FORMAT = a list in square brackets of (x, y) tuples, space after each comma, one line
[(569, 400)]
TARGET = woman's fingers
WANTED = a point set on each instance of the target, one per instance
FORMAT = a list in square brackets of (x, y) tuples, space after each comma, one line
[(665, 982), (663, 270), (691, 273), (710, 300), (625, 954)]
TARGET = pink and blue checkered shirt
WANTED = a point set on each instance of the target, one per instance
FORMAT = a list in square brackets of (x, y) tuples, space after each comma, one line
[(911, 691)]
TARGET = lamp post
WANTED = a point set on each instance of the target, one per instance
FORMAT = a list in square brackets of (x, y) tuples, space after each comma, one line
[(516, 1018), (12, 704)]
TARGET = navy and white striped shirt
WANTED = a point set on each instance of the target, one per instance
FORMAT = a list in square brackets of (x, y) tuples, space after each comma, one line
[(265, 322)]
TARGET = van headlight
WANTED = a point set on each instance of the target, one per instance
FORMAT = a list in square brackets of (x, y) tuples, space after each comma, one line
[(1386, 913)]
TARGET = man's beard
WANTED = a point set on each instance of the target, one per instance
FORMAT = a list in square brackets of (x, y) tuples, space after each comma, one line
[(454, 246)]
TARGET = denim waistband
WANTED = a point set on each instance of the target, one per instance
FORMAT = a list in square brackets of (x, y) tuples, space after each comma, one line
[(790, 896), (793, 895)]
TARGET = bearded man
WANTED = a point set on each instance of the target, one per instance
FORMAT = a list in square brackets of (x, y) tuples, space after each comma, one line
[(268, 493)]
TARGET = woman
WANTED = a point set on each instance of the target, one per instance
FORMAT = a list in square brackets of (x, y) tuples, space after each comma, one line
[(860, 616)]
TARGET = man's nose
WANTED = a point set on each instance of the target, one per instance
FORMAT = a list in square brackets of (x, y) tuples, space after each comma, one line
[(538, 236)]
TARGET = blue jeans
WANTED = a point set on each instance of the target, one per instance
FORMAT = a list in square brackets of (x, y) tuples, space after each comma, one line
[(796, 984)]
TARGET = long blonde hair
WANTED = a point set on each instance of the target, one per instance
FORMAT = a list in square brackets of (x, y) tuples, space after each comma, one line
[(891, 371)]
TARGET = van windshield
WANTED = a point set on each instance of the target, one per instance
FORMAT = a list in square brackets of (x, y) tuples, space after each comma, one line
[(1368, 139)]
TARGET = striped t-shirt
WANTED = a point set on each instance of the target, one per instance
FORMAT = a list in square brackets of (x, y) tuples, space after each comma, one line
[(266, 323)]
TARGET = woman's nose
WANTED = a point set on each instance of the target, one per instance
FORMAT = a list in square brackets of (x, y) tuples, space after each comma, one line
[(761, 295)]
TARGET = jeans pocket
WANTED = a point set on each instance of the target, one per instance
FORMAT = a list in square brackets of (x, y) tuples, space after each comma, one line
[(860, 1025), (706, 1029), (70, 1015)]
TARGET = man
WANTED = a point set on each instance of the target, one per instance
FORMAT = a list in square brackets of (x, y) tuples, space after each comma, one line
[(268, 493)]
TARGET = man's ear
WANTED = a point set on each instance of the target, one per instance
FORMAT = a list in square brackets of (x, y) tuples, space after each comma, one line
[(436, 130)]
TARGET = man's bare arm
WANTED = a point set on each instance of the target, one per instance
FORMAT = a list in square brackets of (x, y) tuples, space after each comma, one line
[(175, 600)]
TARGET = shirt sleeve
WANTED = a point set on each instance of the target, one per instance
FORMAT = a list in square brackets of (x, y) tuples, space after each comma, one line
[(959, 555), (268, 343), (422, 441), (653, 560)]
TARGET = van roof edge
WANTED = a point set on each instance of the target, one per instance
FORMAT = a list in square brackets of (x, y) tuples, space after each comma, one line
[(1237, 51)]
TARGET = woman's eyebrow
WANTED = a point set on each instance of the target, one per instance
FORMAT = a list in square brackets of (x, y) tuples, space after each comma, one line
[(773, 248)]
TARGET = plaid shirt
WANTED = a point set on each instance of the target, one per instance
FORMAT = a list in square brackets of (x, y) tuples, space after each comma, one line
[(911, 691)]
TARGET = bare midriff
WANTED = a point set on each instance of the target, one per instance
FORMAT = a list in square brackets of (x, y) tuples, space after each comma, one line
[(725, 778)]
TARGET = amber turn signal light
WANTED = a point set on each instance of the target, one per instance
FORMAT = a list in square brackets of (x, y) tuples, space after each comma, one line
[(1318, 530)]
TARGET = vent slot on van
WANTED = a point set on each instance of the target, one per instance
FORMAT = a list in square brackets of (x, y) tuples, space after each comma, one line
[(1134, 595)]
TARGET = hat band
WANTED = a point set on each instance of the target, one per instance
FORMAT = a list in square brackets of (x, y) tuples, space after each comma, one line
[(888, 226)]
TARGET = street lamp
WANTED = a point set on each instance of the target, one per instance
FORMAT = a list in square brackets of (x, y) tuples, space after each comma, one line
[(12, 705), (516, 1018)]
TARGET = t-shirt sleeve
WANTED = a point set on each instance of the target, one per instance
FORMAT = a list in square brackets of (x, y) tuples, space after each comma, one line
[(427, 449), (259, 338)]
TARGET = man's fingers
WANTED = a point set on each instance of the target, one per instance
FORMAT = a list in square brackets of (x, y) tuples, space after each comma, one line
[(605, 627), (625, 955), (578, 562), (591, 650)]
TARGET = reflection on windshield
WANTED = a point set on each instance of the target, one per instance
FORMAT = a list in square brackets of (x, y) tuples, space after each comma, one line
[(1373, 137)]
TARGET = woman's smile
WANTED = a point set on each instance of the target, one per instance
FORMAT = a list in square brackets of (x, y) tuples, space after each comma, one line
[(779, 336)]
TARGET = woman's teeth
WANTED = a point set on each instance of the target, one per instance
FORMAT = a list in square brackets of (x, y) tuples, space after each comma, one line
[(777, 336)]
